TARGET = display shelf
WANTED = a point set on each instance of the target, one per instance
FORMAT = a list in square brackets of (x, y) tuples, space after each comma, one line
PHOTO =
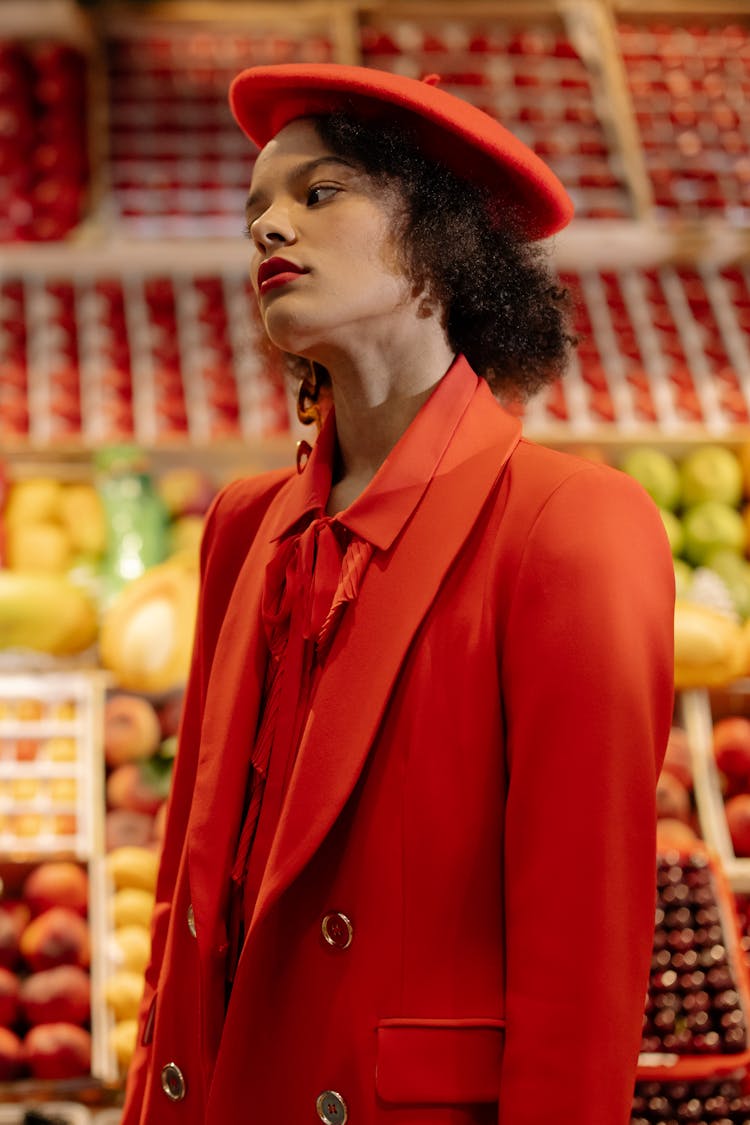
[(688, 80), (178, 164), (154, 357), (526, 70)]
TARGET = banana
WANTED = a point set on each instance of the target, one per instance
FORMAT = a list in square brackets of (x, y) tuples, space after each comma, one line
[(46, 613)]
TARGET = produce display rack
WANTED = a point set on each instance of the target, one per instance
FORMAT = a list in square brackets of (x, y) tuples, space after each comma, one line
[(52, 808)]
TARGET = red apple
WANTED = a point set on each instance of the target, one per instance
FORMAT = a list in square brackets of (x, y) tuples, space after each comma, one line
[(732, 747), (14, 917), (738, 821), (57, 937), (58, 1050)]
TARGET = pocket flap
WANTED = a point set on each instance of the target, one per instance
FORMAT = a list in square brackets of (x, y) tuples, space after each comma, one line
[(436, 1062)]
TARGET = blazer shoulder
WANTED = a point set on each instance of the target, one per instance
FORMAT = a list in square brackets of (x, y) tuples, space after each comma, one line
[(236, 513), (537, 472)]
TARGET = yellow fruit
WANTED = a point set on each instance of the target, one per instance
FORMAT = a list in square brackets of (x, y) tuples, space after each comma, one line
[(133, 867), (33, 501), (133, 948), (82, 514), (38, 548), (147, 633), (46, 613), (132, 906), (60, 749), (185, 534), (123, 992), (123, 1039), (710, 648)]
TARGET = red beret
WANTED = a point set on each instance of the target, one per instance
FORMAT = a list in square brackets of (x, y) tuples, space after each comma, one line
[(451, 131)]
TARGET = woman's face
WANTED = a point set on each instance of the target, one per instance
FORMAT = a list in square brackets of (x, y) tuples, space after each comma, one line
[(324, 265)]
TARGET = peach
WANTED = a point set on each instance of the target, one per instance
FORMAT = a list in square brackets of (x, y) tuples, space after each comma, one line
[(57, 884), (61, 995), (672, 798), (9, 992), (57, 937), (130, 787), (58, 1050), (12, 1055), (732, 747), (131, 729), (672, 833), (124, 827), (677, 757)]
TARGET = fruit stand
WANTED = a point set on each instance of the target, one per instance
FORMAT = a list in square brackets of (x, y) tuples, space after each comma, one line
[(134, 383)]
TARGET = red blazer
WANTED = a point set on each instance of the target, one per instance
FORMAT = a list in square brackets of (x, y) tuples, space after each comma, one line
[(474, 791)]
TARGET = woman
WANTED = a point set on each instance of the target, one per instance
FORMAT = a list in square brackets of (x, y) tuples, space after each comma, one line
[(408, 874)]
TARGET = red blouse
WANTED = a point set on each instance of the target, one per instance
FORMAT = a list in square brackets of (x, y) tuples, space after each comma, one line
[(315, 574)]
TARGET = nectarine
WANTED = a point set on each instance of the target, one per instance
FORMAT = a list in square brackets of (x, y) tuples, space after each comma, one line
[(57, 937), (12, 1055), (9, 992), (58, 1050), (61, 995), (131, 729), (738, 821), (57, 884), (672, 798)]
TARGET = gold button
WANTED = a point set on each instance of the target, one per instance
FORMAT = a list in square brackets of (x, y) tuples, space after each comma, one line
[(191, 920), (337, 930), (172, 1082), (331, 1108)]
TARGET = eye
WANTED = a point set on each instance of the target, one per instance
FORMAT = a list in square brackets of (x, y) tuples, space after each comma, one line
[(320, 193)]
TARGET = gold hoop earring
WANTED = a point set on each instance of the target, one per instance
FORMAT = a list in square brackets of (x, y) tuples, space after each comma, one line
[(308, 408)]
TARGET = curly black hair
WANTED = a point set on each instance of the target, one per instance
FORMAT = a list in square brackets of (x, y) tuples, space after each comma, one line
[(502, 307)]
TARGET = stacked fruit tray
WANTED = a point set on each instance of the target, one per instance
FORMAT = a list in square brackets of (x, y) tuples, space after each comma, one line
[(140, 356), (689, 85), (44, 161), (664, 348), (48, 751), (179, 165), (531, 77), (695, 1023), (706, 1102)]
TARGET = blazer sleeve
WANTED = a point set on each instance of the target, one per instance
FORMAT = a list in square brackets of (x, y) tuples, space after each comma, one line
[(588, 665), (230, 526), (178, 811)]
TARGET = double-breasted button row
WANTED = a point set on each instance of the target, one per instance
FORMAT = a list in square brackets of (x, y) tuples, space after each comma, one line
[(331, 1108), (173, 1082), (337, 930)]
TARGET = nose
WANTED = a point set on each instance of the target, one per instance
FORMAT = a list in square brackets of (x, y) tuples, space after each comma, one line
[(272, 229)]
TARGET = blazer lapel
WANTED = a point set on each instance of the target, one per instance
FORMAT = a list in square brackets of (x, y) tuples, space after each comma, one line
[(233, 700), (375, 634)]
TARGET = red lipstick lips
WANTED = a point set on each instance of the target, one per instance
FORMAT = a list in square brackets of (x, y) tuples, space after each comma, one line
[(275, 272)]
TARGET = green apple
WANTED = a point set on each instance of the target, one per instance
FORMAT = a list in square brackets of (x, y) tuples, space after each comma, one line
[(711, 473), (683, 578), (673, 528), (711, 526), (735, 572), (657, 473)]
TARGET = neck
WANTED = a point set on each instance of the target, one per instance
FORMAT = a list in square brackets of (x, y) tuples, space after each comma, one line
[(376, 398)]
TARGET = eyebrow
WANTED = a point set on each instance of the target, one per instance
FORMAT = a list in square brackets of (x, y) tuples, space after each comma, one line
[(298, 173)]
